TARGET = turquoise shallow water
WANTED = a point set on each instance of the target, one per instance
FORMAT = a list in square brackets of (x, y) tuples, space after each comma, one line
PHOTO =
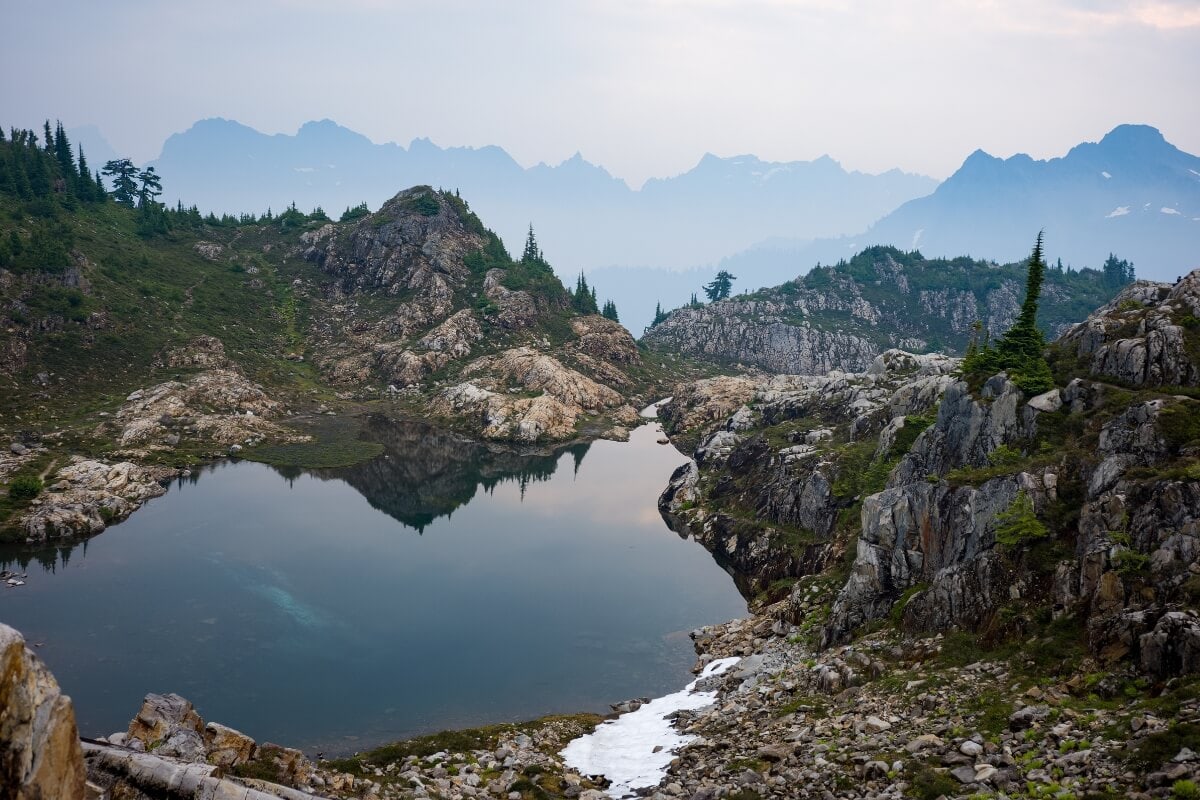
[(444, 584)]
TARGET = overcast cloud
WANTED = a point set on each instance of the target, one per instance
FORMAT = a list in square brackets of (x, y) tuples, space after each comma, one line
[(643, 87)]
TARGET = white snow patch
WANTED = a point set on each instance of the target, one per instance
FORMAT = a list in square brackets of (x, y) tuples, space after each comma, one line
[(1105, 174), (773, 171), (1119, 211), (622, 750), (916, 238), (1168, 210)]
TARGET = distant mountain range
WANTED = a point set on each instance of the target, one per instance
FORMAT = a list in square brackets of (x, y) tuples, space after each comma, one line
[(583, 216), (1131, 193)]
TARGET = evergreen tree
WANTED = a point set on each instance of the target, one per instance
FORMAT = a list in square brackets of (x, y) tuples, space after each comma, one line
[(531, 254), (659, 314), (1118, 272), (1020, 351), (124, 188), (62, 152), (583, 299), (83, 179), (720, 287), (151, 186), (610, 311)]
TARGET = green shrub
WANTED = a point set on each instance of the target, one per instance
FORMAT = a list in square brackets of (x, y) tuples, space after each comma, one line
[(1005, 456), (1018, 524), (25, 487), (357, 212), (1130, 563), (426, 205), (1185, 790)]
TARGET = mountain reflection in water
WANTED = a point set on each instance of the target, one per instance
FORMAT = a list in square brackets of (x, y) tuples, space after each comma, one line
[(301, 609)]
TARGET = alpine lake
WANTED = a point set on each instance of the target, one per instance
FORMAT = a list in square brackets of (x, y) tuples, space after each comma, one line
[(443, 584)]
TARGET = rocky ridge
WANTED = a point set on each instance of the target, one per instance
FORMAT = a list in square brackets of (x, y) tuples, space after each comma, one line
[(841, 317), (423, 299), (1040, 553)]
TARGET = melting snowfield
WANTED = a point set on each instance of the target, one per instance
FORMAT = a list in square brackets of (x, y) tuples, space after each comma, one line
[(634, 750)]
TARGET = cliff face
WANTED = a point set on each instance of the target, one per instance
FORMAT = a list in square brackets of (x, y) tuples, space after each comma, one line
[(773, 475), (841, 317), (977, 507)]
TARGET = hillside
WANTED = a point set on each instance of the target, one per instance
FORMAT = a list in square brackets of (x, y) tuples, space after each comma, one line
[(842, 316), (141, 336)]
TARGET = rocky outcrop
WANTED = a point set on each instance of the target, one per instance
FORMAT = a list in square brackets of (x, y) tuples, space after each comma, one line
[(762, 492), (1082, 503), (40, 757), (168, 747), (489, 345), (497, 396), (218, 406), (1149, 335), (698, 406), (841, 317), (87, 496), (203, 352), (754, 333)]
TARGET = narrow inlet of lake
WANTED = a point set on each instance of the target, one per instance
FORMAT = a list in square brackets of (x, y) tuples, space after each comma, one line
[(444, 584)]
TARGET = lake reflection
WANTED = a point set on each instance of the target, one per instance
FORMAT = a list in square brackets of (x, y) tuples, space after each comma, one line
[(306, 609)]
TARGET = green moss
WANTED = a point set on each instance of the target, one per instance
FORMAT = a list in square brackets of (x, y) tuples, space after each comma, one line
[(484, 738), (315, 455), (259, 769), (1180, 424), (929, 784), (1151, 752), (897, 613)]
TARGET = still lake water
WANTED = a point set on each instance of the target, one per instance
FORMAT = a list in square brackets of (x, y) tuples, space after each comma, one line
[(445, 584)]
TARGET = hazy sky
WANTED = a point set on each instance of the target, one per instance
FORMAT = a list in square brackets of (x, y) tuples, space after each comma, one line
[(644, 87)]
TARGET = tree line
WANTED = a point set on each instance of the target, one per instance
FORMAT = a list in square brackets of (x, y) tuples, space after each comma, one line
[(47, 169)]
